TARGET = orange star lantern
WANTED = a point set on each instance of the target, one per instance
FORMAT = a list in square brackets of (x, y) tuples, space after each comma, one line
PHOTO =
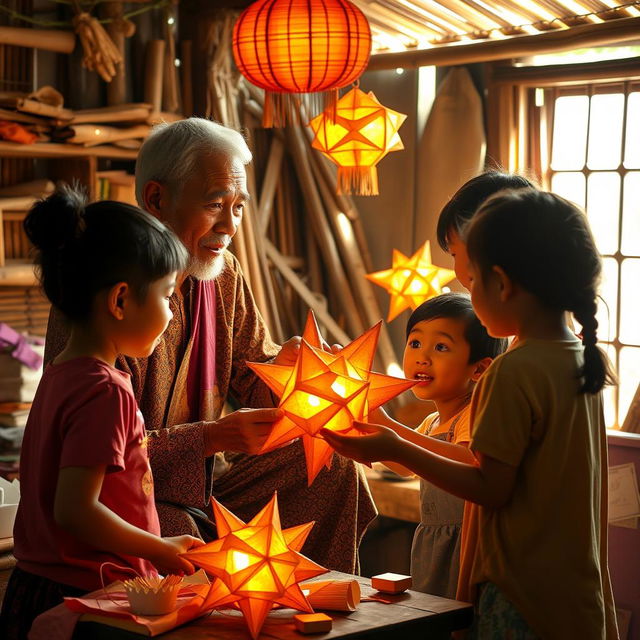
[(328, 390), (356, 136), (411, 281), (257, 564)]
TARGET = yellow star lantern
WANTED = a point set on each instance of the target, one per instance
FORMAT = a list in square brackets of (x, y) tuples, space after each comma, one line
[(258, 565), (411, 281), (356, 134), (328, 390)]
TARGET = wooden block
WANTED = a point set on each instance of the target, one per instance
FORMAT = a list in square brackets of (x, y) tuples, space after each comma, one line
[(312, 622), (391, 582)]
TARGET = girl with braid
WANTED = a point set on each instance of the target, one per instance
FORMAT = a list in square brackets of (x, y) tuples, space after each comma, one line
[(537, 493)]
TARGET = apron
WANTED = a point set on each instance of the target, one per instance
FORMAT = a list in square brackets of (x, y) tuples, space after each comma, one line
[(435, 552)]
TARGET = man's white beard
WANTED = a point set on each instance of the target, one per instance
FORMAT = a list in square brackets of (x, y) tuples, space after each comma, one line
[(205, 270)]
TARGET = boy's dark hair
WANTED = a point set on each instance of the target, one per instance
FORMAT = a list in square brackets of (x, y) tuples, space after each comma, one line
[(466, 200), (458, 306), (82, 249), (543, 242)]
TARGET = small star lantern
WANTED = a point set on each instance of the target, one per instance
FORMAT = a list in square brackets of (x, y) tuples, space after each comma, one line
[(411, 281), (356, 134)]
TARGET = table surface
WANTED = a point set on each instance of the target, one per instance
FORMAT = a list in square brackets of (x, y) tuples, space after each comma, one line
[(408, 615)]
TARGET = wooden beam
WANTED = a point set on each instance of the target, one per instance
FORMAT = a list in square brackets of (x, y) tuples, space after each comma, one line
[(591, 35), (559, 74)]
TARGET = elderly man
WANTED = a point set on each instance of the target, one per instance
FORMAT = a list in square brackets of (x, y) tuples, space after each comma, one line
[(191, 175)]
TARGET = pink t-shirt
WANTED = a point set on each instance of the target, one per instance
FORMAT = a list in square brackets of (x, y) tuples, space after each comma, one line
[(84, 414)]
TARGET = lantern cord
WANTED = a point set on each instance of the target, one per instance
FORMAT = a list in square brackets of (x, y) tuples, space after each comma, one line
[(361, 181)]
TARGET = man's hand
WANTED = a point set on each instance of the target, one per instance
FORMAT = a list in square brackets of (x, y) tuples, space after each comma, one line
[(243, 431), (376, 442), (290, 349)]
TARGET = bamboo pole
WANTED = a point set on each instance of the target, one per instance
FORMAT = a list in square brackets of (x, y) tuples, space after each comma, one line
[(154, 70), (295, 138), (116, 89), (591, 35), (272, 174), (46, 39), (305, 293)]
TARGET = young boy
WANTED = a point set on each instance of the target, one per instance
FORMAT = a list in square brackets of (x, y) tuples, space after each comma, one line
[(447, 350)]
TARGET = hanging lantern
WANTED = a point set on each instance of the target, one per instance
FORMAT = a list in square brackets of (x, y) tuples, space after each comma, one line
[(356, 137), (326, 390), (257, 564), (289, 47), (411, 281)]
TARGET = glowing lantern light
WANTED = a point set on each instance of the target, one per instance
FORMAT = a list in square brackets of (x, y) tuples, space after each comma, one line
[(411, 281), (257, 564), (300, 46), (328, 390), (356, 137)]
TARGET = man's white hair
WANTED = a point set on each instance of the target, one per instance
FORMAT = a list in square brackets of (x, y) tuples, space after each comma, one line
[(172, 151)]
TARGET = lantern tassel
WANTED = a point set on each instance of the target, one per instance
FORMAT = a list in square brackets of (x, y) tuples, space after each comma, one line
[(361, 181), (279, 109)]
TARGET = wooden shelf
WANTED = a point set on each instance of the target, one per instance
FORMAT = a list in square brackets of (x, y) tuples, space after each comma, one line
[(17, 274), (58, 150)]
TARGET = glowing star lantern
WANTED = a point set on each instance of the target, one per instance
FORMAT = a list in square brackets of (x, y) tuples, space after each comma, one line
[(258, 565), (290, 47), (411, 281), (356, 137), (328, 390)]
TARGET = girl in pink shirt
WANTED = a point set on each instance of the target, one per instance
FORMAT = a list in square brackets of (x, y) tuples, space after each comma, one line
[(86, 485)]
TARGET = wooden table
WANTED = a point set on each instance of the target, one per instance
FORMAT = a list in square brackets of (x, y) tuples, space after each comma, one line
[(409, 615)]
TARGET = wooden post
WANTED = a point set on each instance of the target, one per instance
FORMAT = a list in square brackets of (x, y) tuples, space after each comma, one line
[(186, 58)]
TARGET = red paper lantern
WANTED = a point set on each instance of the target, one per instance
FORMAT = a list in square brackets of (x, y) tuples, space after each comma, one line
[(300, 46)]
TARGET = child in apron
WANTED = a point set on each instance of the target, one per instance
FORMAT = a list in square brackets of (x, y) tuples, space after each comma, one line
[(447, 351)]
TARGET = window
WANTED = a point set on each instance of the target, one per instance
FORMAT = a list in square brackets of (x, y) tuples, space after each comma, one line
[(590, 154)]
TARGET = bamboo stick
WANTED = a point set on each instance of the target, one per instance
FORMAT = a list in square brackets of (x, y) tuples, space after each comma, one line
[(305, 293), (33, 106), (363, 289), (91, 135), (591, 35), (170, 99), (274, 163), (46, 39), (56, 150), (326, 241), (115, 113), (154, 70), (116, 89), (17, 116)]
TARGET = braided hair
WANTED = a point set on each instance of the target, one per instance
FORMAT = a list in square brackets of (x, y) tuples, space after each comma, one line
[(543, 242)]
